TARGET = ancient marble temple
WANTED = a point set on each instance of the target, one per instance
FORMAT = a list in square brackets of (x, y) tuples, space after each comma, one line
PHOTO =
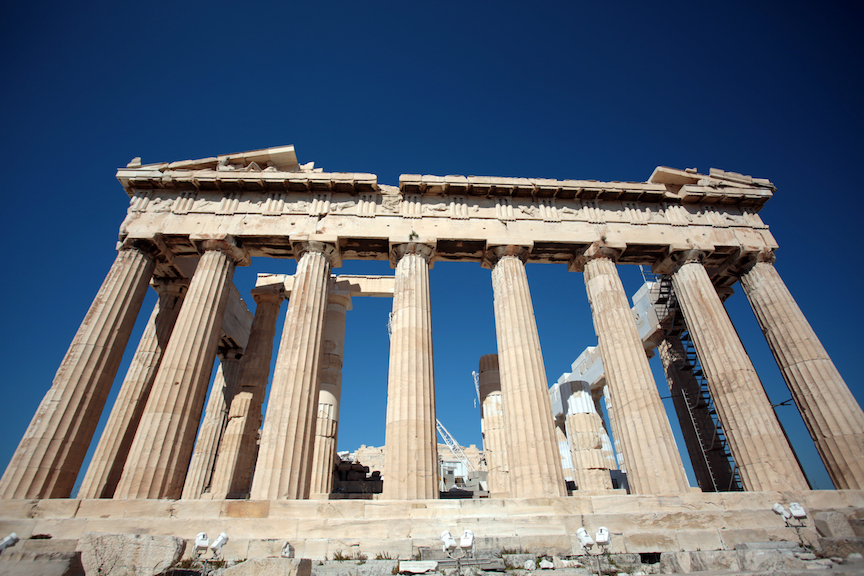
[(191, 223)]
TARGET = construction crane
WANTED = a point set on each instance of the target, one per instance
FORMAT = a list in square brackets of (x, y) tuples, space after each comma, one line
[(454, 446)]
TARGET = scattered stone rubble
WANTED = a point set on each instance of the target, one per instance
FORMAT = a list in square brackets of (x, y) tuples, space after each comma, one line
[(142, 555)]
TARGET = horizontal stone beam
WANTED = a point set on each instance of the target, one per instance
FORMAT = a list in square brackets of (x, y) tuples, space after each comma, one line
[(350, 285)]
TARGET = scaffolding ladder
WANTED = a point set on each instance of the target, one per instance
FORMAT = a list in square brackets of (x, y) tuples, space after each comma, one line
[(674, 326)]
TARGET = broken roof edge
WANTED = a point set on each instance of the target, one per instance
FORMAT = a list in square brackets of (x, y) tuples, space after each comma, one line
[(282, 158), (674, 176)]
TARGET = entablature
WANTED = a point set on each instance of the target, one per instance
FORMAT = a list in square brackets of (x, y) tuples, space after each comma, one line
[(266, 209)]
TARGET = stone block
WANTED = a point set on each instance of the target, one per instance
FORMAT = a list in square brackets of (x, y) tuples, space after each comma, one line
[(17, 508), (807, 535), (196, 508), (20, 563), (395, 548), (245, 509), (417, 566), (24, 528), (735, 536), (314, 548), (341, 509), (373, 509), (234, 549), (610, 563), (148, 508), (438, 509), (550, 545), (129, 554), (854, 497), (69, 528), (271, 567), (568, 563), (483, 507), (517, 561), (268, 548), (833, 525), (101, 509), (649, 542), (824, 499), (763, 559), (841, 547), (49, 545), (750, 500), (675, 563), (367, 568), (771, 545), (714, 560), (496, 544), (699, 540), (55, 508), (630, 504), (294, 508), (757, 518)]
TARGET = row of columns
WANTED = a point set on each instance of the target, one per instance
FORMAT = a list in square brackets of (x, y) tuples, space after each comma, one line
[(171, 369), (762, 454)]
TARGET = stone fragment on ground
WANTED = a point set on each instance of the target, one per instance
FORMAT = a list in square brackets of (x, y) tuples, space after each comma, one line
[(833, 524), (355, 568), (417, 566), (129, 554), (271, 567)]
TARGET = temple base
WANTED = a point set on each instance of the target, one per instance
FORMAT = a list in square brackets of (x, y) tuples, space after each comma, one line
[(317, 529)]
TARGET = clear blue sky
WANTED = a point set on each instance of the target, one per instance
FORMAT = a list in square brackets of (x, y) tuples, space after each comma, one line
[(607, 91)]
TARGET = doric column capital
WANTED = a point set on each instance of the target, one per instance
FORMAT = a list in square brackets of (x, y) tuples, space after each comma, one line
[(274, 293), (170, 286), (765, 255), (144, 246), (495, 252), (339, 298), (424, 247), (678, 258), (329, 247), (224, 243), (595, 250)]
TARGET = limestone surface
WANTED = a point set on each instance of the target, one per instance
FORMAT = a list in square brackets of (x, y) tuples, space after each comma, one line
[(271, 567), (20, 563), (129, 554)]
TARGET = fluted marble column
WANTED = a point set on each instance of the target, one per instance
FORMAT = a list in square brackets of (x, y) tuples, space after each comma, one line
[(200, 473), (618, 451), (762, 454), (50, 454), (327, 427), (532, 450), (710, 465), (410, 444), (584, 432), (605, 439), (232, 476), (564, 452), (284, 466), (640, 423), (108, 459), (830, 411), (160, 453), (492, 427)]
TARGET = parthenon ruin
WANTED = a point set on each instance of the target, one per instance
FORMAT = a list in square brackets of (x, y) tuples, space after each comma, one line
[(190, 223)]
